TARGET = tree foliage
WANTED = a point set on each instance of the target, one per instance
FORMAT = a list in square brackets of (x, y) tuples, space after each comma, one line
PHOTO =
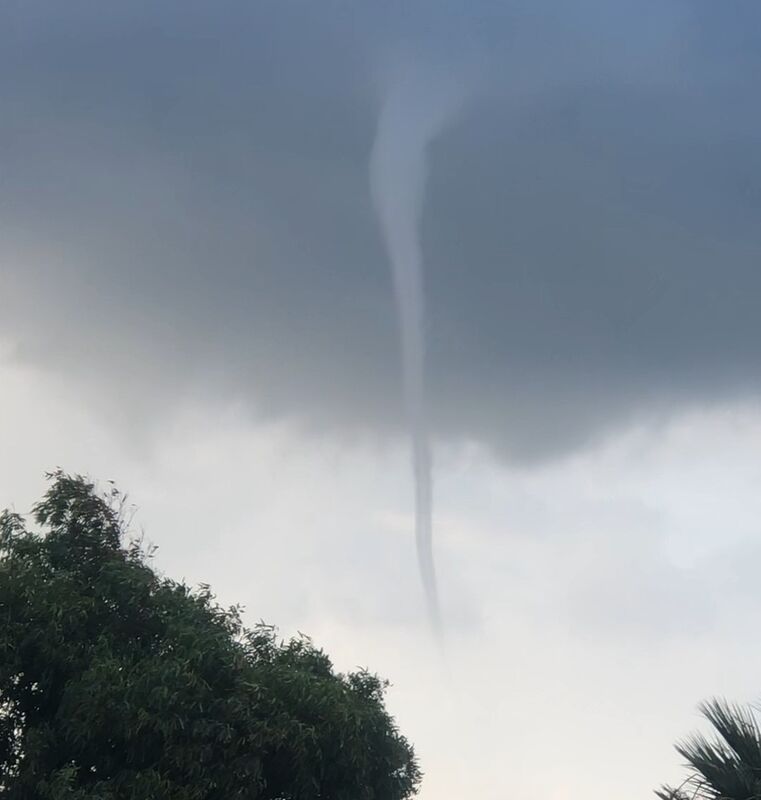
[(727, 767), (116, 682)]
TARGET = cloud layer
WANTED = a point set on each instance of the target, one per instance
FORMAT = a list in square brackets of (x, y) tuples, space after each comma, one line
[(185, 208), (589, 603)]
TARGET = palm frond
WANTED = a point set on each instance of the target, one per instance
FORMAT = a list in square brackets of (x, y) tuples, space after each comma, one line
[(726, 768), (739, 729)]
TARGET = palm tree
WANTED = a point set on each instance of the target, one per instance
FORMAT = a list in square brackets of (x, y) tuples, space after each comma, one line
[(727, 768)]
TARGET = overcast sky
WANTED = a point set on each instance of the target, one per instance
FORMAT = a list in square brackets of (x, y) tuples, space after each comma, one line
[(195, 300)]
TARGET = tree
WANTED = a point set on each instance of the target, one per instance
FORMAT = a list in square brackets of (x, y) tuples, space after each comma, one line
[(116, 682), (728, 768)]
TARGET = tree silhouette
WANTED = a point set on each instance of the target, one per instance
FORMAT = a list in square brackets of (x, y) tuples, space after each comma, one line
[(116, 682), (727, 768)]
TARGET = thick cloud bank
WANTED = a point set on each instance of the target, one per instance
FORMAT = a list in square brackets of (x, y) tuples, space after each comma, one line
[(185, 207)]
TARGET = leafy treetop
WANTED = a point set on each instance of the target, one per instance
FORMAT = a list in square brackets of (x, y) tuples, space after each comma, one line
[(116, 682), (726, 767)]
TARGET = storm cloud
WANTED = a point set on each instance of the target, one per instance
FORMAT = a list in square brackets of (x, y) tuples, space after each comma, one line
[(185, 209)]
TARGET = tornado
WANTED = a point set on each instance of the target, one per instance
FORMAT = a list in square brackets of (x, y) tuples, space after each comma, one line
[(416, 107)]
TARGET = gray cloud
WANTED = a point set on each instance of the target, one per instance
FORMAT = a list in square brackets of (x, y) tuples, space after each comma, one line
[(184, 207)]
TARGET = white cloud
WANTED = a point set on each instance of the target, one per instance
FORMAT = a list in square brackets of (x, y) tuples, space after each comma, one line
[(592, 602)]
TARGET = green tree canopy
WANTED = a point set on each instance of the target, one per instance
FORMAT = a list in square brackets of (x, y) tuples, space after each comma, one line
[(116, 682), (728, 767)]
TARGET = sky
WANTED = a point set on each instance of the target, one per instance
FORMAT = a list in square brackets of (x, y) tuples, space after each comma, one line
[(195, 301)]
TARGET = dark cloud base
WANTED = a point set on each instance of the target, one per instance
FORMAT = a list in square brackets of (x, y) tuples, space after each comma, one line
[(185, 204)]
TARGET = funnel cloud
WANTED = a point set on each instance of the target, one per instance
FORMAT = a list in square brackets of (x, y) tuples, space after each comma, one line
[(416, 108)]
